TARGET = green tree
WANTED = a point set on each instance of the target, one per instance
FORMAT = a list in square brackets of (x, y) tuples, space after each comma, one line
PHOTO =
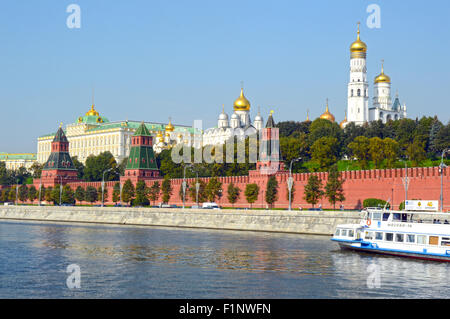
[(48, 194), (251, 193), (233, 193), (79, 167), (116, 193), (334, 189), (324, 152), (5, 193), (201, 192), (155, 189), (376, 147), (23, 193), (213, 189), (416, 152), (97, 165), (313, 190), (166, 189), (141, 194), (36, 170), (127, 191), (80, 194), (105, 193), (360, 149), (91, 195), (272, 191), (390, 151), (56, 194), (12, 195), (32, 193), (67, 196)]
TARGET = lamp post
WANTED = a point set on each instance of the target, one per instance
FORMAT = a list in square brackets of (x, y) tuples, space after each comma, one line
[(17, 191), (406, 182), (184, 184), (441, 171), (103, 183), (40, 189), (60, 188), (291, 181)]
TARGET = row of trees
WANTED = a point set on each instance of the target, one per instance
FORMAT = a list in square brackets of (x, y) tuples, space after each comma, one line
[(143, 195)]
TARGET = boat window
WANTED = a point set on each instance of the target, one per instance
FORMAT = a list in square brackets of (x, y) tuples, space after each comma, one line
[(396, 216), (376, 216), (410, 238), (421, 239), (379, 236), (385, 216), (344, 232), (445, 241), (404, 218), (400, 238), (368, 235), (338, 232), (351, 233), (389, 237)]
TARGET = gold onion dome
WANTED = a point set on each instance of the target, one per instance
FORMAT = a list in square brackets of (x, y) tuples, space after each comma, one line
[(169, 127), (92, 112), (241, 103), (382, 78), (358, 48), (342, 124), (159, 137), (327, 115)]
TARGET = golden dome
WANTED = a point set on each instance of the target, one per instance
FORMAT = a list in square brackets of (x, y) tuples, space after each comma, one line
[(382, 78), (358, 48), (241, 103), (327, 115), (160, 137), (169, 127), (92, 112)]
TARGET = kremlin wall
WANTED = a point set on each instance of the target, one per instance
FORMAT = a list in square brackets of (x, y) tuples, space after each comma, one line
[(424, 183)]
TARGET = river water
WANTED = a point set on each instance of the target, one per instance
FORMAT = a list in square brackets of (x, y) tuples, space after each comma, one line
[(153, 262)]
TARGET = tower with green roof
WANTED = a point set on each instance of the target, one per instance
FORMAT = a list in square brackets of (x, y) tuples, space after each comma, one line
[(141, 163), (59, 168)]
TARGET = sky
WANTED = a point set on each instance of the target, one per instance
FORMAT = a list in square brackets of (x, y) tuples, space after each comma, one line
[(151, 60)]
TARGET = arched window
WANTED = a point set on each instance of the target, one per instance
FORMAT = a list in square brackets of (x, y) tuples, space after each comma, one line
[(352, 93), (359, 92)]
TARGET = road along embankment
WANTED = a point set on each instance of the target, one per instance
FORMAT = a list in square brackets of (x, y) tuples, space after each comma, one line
[(301, 222)]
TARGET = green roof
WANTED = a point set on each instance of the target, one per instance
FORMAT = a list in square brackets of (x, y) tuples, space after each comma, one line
[(142, 130), (7, 156)]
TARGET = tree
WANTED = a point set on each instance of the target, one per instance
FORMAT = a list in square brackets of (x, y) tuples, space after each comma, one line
[(324, 151), (360, 149), (141, 194), (201, 192), (56, 194), (233, 193), (390, 151), (67, 196), (436, 126), (80, 194), (214, 189), (376, 153), (91, 195), (166, 189), (79, 167), (313, 191), (251, 193), (48, 194), (103, 191), (36, 170), (272, 191), (127, 191), (334, 190), (12, 195), (116, 193), (416, 152), (23, 193), (154, 191), (97, 165), (32, 193)]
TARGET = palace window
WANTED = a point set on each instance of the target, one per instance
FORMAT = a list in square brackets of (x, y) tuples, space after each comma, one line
[(359, 92)]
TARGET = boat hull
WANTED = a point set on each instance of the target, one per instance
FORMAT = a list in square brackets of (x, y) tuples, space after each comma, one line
[(397, 253)]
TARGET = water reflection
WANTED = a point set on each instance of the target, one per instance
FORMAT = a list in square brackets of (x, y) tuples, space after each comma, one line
[(123, 262)]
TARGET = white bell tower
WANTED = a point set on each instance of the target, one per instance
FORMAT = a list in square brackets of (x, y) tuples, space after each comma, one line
[(358, 87)]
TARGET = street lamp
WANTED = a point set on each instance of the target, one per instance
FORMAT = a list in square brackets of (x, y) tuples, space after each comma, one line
[(441, 171), (184, 184), (103, 183), (291, 181), (40, 189), (406, 181), (60, 188)]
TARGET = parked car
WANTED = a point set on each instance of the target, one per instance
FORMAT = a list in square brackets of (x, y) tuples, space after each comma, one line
[(210, 206), (8, 203), (195, 207)]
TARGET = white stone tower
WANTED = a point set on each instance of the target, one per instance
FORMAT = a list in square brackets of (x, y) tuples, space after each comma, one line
[(358, 87)]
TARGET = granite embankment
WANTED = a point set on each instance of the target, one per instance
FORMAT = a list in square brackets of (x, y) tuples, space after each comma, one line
[(302, 222)]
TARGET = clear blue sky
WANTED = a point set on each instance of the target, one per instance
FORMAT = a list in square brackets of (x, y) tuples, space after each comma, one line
[(151, 60)]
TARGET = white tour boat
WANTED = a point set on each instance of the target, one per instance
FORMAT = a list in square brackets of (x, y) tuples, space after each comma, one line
[(422, 235)]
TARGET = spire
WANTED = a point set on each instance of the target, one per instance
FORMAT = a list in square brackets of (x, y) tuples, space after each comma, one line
[(270, 121), (307, 116), (358, 31), (327, 110)]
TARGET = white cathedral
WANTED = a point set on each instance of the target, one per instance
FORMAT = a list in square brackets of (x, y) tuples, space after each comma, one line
[(240, 124), (358, 110)]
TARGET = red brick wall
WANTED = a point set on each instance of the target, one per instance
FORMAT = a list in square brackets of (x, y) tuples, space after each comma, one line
[(425, 184)]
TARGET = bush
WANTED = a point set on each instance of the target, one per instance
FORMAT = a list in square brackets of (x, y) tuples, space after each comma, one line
[(375, 202)]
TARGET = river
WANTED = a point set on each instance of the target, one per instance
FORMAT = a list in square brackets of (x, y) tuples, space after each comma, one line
[(153, 262)]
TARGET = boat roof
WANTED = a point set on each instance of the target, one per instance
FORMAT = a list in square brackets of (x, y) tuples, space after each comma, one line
[(407, 212)]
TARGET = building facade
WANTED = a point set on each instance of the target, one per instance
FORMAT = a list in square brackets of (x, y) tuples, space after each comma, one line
[(15, 161), (93, 134)]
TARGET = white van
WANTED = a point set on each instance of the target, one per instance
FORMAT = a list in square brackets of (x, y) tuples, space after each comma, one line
[(210, 206)]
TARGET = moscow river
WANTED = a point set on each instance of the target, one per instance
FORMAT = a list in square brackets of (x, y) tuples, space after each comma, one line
[(150, 262)]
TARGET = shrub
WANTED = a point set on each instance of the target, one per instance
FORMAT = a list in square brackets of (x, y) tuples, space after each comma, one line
[(375, 202)]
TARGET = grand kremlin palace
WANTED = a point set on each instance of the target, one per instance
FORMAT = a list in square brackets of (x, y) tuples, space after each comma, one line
[(93, 134)]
